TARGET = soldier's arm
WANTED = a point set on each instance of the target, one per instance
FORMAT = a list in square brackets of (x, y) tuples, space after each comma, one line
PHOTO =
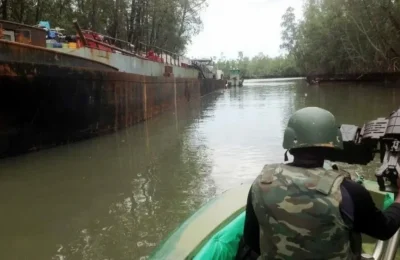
[(367, 218)]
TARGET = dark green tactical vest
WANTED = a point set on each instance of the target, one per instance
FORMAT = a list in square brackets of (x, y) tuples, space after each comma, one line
[(299, 215)]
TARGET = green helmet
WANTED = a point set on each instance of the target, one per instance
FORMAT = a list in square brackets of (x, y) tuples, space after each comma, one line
[(312, 127)]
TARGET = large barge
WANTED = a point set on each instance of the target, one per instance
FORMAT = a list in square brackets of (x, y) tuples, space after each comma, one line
[(51, 95)]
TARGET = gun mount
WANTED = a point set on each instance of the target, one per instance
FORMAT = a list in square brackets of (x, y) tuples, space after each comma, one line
[(378, 136)]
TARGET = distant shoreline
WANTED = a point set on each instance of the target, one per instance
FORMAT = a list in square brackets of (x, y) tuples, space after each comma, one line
[(386, 77), (382, 77), (276, 77)]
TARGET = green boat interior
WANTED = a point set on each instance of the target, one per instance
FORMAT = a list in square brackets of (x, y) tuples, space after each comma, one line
[(214, 231)]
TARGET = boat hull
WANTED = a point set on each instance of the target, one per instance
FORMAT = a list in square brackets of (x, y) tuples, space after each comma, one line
[(25, 53), (132, 64), (43, 105), (189, 241)]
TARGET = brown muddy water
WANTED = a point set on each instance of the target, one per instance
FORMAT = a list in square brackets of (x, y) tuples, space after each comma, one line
[(117, 196)]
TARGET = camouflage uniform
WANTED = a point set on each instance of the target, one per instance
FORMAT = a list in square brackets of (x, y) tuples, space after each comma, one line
[(298, 213), (298, 208)]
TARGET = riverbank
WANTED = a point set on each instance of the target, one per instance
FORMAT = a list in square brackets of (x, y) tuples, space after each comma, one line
[(43, 106), (388, 77), (378, 77), (276, 77)]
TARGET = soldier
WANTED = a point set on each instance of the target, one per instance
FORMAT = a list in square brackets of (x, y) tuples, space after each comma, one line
[(300, 210)]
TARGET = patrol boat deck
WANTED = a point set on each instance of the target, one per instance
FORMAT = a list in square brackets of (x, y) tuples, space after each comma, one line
[(190, 239)]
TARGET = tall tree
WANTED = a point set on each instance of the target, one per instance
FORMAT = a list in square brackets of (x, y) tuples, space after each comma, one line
[(289, 29), (345, 36), (167, 24)]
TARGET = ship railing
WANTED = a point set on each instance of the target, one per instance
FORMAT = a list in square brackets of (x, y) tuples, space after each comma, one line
[(107, 43), (127, 48), (110, 41), (167, 56), (106, 47)]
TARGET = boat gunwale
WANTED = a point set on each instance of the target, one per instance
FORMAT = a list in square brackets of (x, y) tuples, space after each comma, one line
[(163, 250)]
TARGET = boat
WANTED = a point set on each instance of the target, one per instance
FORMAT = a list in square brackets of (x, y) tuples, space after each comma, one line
[(234, 78), (58, 88), (214, 231), (142, 59)]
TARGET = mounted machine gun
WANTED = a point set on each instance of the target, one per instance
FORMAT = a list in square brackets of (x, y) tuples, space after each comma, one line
[(360, 146), (378, 136)]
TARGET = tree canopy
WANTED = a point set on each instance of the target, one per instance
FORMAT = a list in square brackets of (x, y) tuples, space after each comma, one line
[(167, 24), (333, 36), (260, 66), (347, 36)]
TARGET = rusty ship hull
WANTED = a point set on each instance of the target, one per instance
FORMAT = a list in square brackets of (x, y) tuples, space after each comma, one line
[(50, 98)]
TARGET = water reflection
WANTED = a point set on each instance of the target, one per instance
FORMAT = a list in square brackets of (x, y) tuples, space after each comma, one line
[(247, 129), (112, 197), (117, 196), (351, 104)]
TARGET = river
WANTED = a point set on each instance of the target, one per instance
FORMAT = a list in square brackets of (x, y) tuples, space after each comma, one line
[(116, 197)]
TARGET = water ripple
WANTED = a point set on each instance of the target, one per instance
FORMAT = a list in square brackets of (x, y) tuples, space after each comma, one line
[(117, 196)]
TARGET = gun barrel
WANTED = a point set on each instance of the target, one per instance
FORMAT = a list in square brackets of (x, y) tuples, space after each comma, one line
[(360, 145)]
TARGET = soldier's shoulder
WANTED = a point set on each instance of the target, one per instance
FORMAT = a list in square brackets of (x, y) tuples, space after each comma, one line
[(271, 166), (268, 171), (343, 172), (274, 168), (336, 168)]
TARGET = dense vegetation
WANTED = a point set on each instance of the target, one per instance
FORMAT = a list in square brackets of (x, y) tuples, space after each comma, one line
[(167, 24), (333, 36), (261, 66)]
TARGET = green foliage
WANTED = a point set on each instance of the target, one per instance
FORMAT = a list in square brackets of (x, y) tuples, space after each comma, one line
[(166, 24), (289, 30), (334, 36), (346, 36), (260, 66)]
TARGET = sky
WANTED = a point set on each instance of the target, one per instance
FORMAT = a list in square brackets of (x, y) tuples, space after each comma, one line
[(251, 26)]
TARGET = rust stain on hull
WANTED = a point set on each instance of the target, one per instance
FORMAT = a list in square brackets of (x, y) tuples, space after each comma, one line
[(43, 105), (6, 70)]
